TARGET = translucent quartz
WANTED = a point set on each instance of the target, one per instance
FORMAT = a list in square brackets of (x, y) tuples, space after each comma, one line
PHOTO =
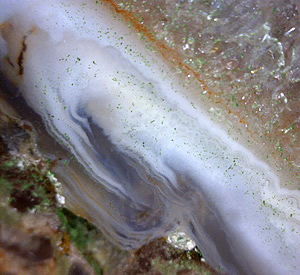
[(153, 156), (245, 56)]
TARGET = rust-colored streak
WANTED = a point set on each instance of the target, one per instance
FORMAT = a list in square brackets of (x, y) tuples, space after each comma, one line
[(170, 54), (20, 59), (174, 58)]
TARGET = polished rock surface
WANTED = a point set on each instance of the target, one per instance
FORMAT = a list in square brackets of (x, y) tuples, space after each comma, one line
[(174, 113)]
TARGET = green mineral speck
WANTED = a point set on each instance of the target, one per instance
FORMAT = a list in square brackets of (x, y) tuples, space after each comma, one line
[(8, 164), (81, 233)]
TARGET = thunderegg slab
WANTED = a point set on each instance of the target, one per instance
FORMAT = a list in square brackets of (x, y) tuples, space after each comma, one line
[(153, 158)]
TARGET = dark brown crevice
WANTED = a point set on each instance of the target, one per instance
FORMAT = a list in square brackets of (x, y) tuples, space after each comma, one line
[(21, 57), (23, 200), (77, 269), (34, 248)]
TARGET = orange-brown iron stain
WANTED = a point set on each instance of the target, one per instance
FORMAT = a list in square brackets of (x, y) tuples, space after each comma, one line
[(65, 244), (167, 52), (170, 54)]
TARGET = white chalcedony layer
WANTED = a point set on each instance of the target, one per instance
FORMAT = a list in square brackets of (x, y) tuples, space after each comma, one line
[(122, 113)]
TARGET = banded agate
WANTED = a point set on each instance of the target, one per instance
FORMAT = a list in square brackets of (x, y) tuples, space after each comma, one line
[(148, 156)]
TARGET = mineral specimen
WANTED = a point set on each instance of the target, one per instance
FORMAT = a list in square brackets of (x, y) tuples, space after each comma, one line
[(149, 153)]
